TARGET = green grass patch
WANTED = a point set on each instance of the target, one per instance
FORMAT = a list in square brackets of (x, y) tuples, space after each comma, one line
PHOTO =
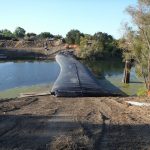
[(15, 92), (142, 91)]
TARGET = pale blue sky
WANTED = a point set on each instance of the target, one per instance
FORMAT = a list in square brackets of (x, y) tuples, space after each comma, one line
[(60, 16)]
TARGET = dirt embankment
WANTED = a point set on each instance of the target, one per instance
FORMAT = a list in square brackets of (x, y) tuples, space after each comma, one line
[(25, 44), (41, 123), (38, 49)]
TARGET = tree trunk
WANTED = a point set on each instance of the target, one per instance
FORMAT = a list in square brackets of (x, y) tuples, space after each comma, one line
[(127, 69), (148, 74)]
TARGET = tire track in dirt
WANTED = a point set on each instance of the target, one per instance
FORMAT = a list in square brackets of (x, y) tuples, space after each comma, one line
[(102, 138), (7, 106)]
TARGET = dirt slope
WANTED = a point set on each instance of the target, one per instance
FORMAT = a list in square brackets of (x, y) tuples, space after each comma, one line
[(47, 122)]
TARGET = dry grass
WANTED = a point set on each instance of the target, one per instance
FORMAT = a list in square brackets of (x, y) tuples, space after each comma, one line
[(76, 141), (64, 142)]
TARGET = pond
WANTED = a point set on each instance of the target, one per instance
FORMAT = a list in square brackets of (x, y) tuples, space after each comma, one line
[(18, 77), (18, 74), (110, 75)]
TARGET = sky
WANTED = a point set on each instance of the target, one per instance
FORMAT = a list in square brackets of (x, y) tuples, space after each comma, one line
[(60, 16)]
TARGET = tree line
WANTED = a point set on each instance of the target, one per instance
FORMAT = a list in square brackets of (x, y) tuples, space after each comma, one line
[(91, 46), (20, 33)]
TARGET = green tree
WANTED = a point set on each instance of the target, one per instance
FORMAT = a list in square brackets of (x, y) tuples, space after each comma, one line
[(31, 35), (6, 34), (108, 44), (19, 32), (73, 37), (58, 37), (136, 43), (45, 35), (99, 45), (85, 46)]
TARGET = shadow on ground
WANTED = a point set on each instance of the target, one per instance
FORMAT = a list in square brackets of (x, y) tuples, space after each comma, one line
[(37, 132)]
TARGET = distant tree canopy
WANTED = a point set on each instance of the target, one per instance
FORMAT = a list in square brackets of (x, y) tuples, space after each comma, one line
[(19, 32), (6, 34), (31, 34), (99, 45), (58, 37), (73, 37), (45, 35)]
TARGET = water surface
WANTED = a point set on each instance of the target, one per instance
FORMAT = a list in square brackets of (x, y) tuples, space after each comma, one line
[(110, 75), (19, 74), (18, 77)]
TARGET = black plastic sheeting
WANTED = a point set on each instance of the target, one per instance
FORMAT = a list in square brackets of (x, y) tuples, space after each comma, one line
[(75, 79)]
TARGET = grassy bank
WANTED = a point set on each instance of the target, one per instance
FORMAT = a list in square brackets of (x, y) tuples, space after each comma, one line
[(22, 54), (132, 89), (15, 92)]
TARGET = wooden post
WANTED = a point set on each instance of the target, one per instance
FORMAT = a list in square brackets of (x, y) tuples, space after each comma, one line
[(127, 69)]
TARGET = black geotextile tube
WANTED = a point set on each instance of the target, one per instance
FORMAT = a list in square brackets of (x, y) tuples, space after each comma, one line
[(75, 79)]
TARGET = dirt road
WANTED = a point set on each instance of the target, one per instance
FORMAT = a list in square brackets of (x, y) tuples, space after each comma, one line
[(43, 123)]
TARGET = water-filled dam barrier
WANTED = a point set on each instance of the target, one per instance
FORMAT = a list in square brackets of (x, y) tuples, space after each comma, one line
[(75, 79)]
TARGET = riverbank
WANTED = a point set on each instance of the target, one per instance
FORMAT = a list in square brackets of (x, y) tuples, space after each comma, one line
[(16, 92), (29, 50), (64, 123), (8, 54)]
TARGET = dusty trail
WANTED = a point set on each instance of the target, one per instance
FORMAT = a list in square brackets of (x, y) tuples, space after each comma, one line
[(41, 123)]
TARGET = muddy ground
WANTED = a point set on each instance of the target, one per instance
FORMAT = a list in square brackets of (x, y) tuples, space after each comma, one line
[(43, 123)]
